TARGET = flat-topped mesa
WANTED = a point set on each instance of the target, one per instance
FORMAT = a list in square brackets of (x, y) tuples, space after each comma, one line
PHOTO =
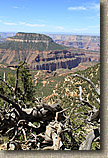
[(30, 37), (42, 53), (31, 41)]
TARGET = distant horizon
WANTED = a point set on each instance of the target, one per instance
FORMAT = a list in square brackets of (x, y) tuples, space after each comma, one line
[(57, 33)]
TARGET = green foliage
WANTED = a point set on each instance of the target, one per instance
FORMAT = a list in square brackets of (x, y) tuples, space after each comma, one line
[(11, 79), (25, 83), (25, 89), (67, 93), (23, 46)]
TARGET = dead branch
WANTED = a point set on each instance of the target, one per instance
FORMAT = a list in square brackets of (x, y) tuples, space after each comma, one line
[(86, 145), (89, 81), (45, 127), (82, 100)]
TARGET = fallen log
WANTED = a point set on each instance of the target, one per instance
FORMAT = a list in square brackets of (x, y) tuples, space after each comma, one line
[(43, 112)]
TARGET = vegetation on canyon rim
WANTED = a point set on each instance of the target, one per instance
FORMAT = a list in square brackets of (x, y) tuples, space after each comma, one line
[(66, 121), (41, 107)]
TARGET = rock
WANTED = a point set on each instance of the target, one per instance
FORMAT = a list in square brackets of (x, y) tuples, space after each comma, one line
[(42, 53)]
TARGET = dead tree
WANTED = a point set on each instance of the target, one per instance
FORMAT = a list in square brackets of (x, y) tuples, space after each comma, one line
[(94, 116), (42, 127)]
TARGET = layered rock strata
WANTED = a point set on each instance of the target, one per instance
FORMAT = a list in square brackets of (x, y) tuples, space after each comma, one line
[(78, 41), (42, 53)]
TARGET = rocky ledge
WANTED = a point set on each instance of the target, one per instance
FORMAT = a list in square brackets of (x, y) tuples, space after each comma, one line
[(42, 53), (30, 37)]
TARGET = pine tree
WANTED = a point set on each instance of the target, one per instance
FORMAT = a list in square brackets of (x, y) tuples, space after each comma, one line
[(26, 84)]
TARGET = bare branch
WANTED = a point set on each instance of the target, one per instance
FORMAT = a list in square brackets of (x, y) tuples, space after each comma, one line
[(81, 99), (88, 80), (86, 145)]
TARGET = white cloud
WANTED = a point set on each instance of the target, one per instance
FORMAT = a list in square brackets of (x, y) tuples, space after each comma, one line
[(22, 23), (25, 24), (15, 7), (86, 6), (77, 8), (60, 28), (7, 23), (95, 6), (31, 25)]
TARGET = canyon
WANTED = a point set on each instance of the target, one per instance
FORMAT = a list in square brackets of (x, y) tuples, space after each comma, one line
[(42, 53), (78, 41)]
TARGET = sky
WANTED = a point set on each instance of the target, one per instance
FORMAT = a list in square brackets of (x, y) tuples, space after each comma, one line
[(50, 16)]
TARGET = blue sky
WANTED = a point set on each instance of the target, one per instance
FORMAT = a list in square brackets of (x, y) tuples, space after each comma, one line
[(50, 16)]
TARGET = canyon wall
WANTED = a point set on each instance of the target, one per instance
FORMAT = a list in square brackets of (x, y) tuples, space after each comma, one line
[(42, 53), (78, 41), (51, 60), (68, 64)]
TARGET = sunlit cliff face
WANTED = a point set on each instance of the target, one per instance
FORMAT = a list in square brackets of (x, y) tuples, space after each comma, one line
[(42, 53)]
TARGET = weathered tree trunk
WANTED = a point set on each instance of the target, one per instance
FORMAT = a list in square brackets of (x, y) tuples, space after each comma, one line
[(86, 145)]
